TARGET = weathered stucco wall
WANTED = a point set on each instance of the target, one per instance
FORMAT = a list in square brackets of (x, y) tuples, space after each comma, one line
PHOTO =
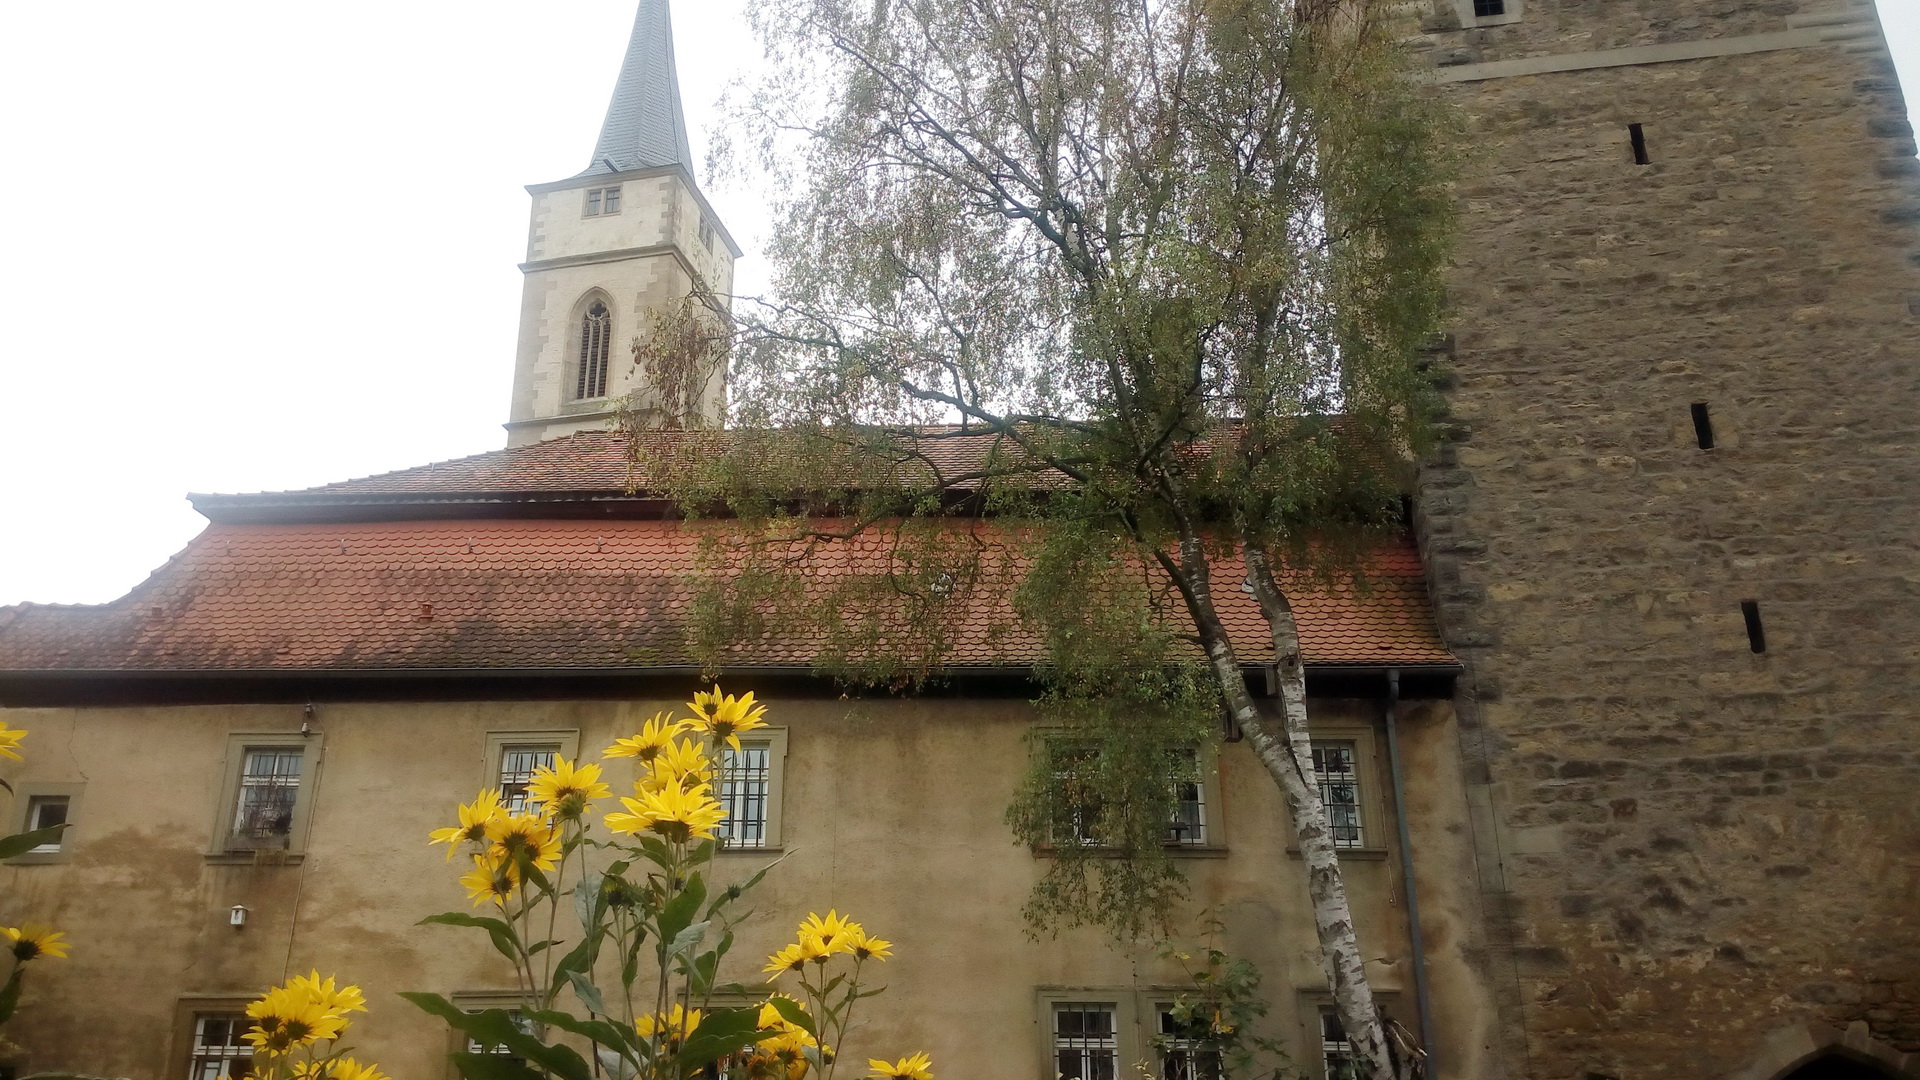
[(892, 811), (1687, 846)]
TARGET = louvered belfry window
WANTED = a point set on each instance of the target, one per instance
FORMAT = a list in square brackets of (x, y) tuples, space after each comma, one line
[(596, 333)]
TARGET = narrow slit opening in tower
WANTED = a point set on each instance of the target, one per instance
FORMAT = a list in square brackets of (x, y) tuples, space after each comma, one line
[(1756, 634), (1638, 136), (1702, 425), (1484, 8)]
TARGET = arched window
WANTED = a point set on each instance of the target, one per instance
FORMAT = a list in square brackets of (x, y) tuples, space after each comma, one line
[(596, 334)]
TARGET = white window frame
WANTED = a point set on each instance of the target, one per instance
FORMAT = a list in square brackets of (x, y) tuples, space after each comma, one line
[(474, 1001), (1211, 838), (1314, 1007), (580, 351), (29, 794), (1348, 835), (225, 846), (774, 741), (189, 1010), (1464, 8), (1157, 1012), (1126, 1043), (601, 201), (234, 1050), (561, 742), (1368, 770)]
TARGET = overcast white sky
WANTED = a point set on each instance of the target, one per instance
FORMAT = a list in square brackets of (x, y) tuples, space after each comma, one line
[(260, 246)]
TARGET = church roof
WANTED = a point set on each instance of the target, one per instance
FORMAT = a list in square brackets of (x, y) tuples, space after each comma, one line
[(589, 463), (521, 594), (645, 126)]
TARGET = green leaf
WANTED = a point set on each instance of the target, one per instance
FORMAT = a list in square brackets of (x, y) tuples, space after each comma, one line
[(492, 1067), (792, 1013), (587, 901), (10, 993), (599, 1031), (542, 946), (496, 1027), (679, 912), (687, 940), (588, 993), (504, 938), (720, 1033), (21, 843), (580, 959)]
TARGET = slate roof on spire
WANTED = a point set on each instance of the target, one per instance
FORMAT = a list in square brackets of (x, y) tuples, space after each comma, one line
[(645, 126)]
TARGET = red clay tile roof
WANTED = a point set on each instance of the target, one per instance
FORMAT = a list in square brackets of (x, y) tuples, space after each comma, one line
[(520, 594), (588, 462)]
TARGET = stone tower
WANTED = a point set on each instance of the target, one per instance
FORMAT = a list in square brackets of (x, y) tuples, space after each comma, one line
[(611, 246), (1675, 538)]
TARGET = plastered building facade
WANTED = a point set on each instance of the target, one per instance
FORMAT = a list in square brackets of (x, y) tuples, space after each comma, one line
[(1649, 675)]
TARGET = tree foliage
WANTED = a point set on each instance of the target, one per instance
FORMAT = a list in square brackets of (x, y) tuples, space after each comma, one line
[(1106, 297)]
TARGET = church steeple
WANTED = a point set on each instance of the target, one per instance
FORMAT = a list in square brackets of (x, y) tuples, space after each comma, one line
[(645, 125), (610, 248)]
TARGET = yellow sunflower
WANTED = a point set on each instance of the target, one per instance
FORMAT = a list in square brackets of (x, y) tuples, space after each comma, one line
[(10, 741), (491, 879), (725, 718), (917, 1067), (675, 814), (337, 1069), (654, 736), (787, 959), (564, 790), (833, 934), (287, 1018), (34, 940), (683, 764), (672, 1028), (528, 837), (867, 948), (474, 819), (338, 1000)]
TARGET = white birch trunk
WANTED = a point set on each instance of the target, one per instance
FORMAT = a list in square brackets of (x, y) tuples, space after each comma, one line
[(1289, 757)]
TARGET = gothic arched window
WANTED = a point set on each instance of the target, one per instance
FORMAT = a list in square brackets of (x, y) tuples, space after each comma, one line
[(596, 334)]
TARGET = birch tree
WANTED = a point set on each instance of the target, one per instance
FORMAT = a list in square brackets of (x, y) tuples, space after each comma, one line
[(1150, 279)]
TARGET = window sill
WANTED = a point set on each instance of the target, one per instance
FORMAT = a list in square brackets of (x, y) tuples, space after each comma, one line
[(1178, 851), (764, 849), (1357, 854), (40, 858), (264, 857)]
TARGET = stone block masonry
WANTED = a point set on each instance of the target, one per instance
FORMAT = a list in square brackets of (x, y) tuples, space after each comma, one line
[(1692, 845)]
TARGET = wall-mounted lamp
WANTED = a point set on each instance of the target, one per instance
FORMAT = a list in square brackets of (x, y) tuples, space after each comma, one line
[(237, 918)]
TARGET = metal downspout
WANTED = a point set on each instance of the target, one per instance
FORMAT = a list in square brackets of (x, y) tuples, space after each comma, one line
[(1422, 1000)]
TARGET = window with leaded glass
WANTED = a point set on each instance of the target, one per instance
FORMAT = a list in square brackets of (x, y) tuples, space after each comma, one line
[(1335, 765), (220, 1047), (1086, 1041), (517, 765), (1338, 1058), (746, 786), (596, 338), (44, 812), (602, 201), (1187, 1051), (1189, 825), (521, 1023), (268, 790), (1076, 798)]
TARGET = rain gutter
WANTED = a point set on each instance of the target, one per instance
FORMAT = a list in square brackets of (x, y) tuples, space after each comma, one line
[(1422, 997)]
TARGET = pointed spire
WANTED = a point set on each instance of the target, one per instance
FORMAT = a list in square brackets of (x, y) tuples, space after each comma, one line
[(645, 126)]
